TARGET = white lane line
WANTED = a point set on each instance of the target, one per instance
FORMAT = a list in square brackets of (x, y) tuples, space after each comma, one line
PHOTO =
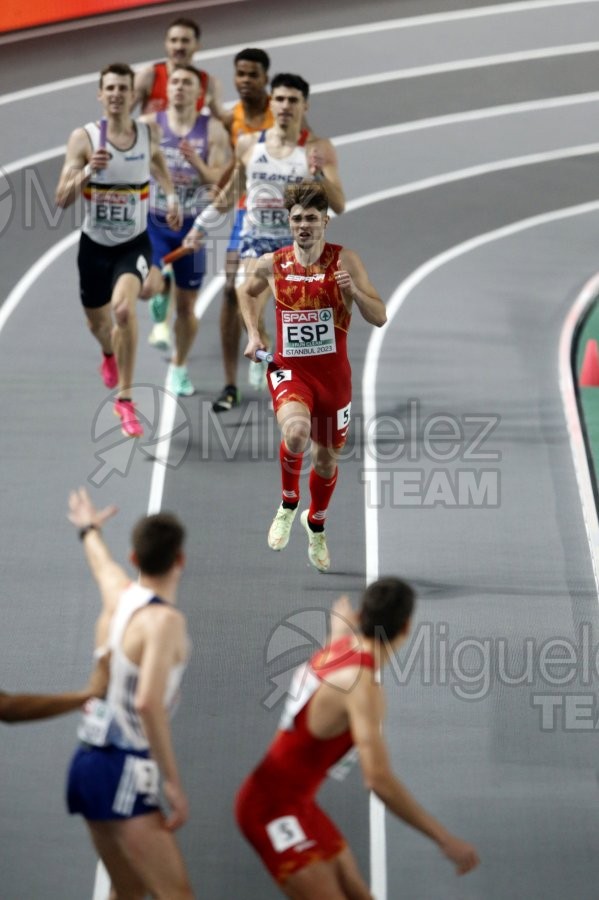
[(169, 411), (400, 295), (97, 21), (577, 443), (458, 65), (36, 271), (33, 160), (488, 112), (471, 115), (323, 35), (377, 838)]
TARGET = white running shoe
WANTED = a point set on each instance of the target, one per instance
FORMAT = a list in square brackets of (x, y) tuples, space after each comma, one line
[(318, 552), (278, 535), (160, 336)]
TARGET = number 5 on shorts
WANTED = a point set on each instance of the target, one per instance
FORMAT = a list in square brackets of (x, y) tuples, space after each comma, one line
[(285, 832), (343, 416)]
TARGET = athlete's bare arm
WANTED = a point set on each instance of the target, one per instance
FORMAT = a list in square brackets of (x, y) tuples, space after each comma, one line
[(322, 162), (160, 172), (352, 278), (344, 619), (77, 169), (164, 644), (215, 104), (259, 278), (144, 79), (365, 707), (110, 577), (226, 196)]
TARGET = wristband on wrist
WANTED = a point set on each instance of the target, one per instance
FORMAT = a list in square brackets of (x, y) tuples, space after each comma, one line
[(172, 200), (202, 222), (86, 529)]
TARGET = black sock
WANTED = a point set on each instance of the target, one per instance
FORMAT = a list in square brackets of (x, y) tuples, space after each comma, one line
[(317, 529), (290, 504)]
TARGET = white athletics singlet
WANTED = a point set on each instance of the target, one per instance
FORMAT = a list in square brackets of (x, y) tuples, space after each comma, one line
[(116, 198), (126, 729), (266, 180)]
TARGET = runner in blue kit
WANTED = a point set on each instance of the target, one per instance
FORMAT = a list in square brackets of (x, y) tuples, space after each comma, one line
[(126, 746), (196, 148), (111, 170)]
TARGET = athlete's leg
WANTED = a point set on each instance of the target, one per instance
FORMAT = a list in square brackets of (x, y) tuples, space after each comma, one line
[(230, 319), (152, 853), (124, 334), (323, 478), (295, 423), (126, 883), (318, 881), (349, 875), (153, 284), (99, 320), (186, 324)]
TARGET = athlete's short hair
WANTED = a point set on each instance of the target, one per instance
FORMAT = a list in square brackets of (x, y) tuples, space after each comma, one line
[(186, 23), (117, 68), (306, 194), (253, 54), (157, 541), (192, 69), (285, 79), (387, 605)]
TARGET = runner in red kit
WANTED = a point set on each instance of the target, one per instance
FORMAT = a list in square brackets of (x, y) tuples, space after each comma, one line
[(315, 285), (334, 712)]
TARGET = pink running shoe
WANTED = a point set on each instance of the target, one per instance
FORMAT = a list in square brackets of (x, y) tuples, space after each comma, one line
[(109, 371), (130, 424)]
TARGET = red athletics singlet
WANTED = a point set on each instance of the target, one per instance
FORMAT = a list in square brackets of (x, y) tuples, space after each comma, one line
[(311, 363), (157, 101), (275, 806)]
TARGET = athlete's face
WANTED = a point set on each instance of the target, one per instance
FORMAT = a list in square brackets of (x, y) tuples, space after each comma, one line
[(183, 88), (307, 225), (181, 43), (116, 93), (250, 79), (288, 106)]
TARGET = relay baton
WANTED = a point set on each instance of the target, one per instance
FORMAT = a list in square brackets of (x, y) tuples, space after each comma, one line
[(174, 255), (103, 130), (264, 356)]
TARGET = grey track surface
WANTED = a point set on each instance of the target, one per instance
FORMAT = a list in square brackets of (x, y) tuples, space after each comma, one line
[(477, 337)]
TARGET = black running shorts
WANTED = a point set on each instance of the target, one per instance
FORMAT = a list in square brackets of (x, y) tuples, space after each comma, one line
[(100, 267)]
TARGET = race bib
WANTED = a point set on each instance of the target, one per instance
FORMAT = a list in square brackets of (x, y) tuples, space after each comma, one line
[(114, 211), (343, 417), (285, 832), (97, 718), (279, 376), (145, 773), (308, 332), (269, 214)]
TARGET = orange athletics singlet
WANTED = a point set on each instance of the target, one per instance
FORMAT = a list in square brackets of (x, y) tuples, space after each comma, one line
[(240, 126)]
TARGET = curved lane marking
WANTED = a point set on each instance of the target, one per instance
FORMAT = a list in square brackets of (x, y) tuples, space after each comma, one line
[(378, 856), (324, 35)]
